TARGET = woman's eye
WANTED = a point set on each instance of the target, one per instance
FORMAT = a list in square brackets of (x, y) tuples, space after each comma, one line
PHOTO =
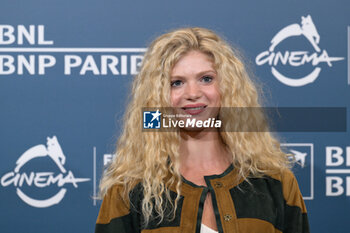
[(176, 83), (206, 79)]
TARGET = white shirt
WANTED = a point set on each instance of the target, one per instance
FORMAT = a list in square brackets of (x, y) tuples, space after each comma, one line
[(205, 229)]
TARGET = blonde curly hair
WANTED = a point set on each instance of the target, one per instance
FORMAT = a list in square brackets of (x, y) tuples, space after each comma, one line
[(152, 157)]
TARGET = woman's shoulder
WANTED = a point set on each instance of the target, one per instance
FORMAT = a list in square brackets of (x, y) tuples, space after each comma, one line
[(285, 176), (124, 192), (113, 205), (290, 187), (117, 202)]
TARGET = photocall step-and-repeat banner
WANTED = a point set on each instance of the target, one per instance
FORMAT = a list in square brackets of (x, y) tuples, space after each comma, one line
[(65, 73)]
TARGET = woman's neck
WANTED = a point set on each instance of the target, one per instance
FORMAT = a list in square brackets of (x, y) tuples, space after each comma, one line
[(203, 151)]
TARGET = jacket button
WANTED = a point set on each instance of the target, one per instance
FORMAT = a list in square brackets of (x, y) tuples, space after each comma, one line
[(217, 184), (227, 217)]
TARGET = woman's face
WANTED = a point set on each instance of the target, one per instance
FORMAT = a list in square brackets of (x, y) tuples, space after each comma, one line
[(195, 86)]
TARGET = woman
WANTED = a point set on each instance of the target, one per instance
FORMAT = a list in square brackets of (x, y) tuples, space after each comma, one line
[(196, 179)]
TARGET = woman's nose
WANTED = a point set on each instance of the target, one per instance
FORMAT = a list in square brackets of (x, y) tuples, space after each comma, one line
[(193, 91)]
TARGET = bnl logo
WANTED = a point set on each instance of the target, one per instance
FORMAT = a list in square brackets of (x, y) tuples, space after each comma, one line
[(151, 119), (304, 166)]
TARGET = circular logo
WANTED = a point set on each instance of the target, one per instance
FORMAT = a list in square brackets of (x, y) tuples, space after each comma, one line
[(53, 151), (296, 58)]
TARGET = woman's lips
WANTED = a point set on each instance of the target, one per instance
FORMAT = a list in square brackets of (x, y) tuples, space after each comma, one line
[(194, 110)]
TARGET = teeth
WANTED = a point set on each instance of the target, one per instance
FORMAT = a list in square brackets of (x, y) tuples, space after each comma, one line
[(197, 108)]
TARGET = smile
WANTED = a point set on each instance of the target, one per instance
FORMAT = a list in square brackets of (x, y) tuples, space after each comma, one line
[(194, 110)]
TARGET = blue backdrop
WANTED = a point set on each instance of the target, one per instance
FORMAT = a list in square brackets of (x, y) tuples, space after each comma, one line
[(65, 74)]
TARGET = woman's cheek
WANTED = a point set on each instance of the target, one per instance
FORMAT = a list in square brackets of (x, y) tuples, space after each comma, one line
[(175, 98)]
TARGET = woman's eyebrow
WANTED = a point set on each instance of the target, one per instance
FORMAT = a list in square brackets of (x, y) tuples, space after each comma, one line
[(198, 74)]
